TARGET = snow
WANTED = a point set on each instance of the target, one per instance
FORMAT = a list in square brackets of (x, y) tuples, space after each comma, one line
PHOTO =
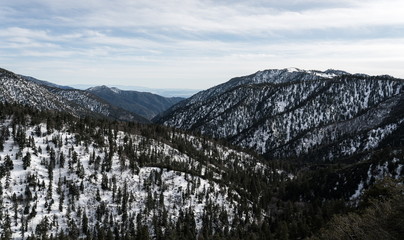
[(174, 183), (293, 69), (281, 106), (115, 90), (295, 113), (357, 192)]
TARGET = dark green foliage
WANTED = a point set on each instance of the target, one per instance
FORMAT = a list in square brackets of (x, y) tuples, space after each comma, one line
[(6, 228), (380, 216), (104, 182), (42, 228), (8, 163), (26, 160), (268, 204)]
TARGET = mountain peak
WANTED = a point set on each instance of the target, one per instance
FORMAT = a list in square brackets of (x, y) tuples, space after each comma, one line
[(99, 88), (269, 76), (291, 74), (293, 69), (116, 90), (104, 88), (290, 112), (335, 71)]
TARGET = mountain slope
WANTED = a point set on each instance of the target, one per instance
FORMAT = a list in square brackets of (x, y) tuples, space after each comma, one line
[(57, 169), (97, 105), (16, 89), (44, 83), (291, 112), (144, 104), (64, 177)]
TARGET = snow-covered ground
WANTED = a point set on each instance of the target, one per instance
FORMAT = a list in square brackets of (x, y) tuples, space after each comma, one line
[(78, 186)]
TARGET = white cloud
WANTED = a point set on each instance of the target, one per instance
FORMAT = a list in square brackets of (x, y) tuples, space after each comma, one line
[(159, 44), (368, 56), (209, 16)]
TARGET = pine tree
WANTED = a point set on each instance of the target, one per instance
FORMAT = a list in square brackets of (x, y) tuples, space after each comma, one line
[(104, 182), (8, 163), (1, 142), (61, 200), (97, 196), (84, 223), (6, 228), (26, 161), (61, 160), (74, 231), (74, 157)]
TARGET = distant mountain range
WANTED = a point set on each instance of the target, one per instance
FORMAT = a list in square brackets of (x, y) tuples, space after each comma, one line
[(42, 96), (168, 93), (164, 92), (291, 113), (102, 100), (145, 104)]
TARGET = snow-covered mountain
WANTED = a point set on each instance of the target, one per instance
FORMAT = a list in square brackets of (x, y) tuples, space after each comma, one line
[(17, 89), (292, 112), (145, 104), (65, 176), (57, 170)]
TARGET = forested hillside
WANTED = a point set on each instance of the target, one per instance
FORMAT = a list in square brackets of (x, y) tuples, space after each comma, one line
[(67, 178), (18, 89), (312, 150), (145, 104), (318, 116)]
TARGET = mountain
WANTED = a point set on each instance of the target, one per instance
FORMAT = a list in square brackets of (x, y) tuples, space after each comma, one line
[(164, 92), (69, 176), (97, 105), (293, 113), (16, 89), (45, 83), (86, 177), (145, 104)]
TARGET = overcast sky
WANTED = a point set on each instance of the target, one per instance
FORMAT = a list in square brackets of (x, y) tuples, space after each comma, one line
[(196, 44)]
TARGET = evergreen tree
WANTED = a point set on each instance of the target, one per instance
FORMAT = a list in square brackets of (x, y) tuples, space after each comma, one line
[(84, 223), (6, 228), (8, 163), (26, 161)]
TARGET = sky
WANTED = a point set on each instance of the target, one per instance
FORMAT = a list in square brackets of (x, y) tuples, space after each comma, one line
[(196, 44)]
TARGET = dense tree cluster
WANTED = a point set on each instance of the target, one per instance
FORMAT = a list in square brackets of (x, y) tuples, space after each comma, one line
[(379, 216), (259, 199)]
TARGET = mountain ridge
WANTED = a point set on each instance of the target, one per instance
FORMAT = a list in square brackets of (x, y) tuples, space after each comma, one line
[(64, 175), (271, 109), (145, 104), (45, 83), (14, 88)]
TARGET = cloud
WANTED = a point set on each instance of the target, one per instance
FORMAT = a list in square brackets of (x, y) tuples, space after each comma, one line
[(211, 16), (103, 65), (204, 40)]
